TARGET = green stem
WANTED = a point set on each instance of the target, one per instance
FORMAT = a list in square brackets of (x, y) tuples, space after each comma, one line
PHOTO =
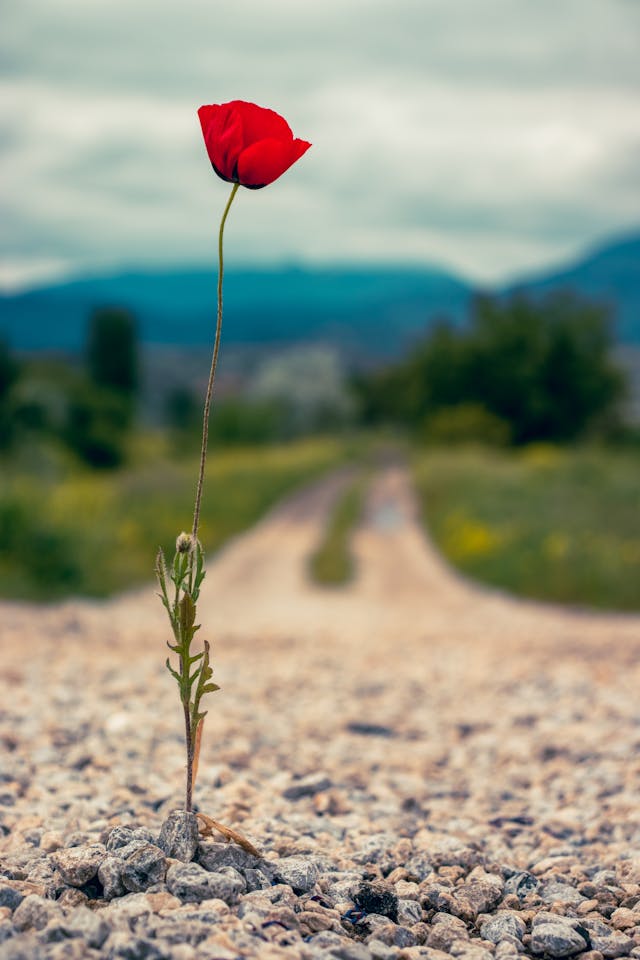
[(212, 373)]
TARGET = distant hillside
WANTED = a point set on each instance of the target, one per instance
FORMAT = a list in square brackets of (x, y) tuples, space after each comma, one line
[(610, 275), (362, 311), (377, 310)]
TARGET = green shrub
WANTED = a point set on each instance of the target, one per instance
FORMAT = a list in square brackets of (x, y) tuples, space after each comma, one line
[(465, 423)]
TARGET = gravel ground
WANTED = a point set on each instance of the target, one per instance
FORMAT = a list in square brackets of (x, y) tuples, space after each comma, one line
[(428, 769)]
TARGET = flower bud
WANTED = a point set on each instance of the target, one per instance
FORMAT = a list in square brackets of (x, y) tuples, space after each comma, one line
[(184, 543)]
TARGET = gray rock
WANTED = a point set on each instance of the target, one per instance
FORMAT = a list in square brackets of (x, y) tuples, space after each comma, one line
[(119, 837), (348, 950), (299, 873), (123, 853), (192, 884), (614, 945), (20, 948), (212, 856), (34, 913), (256, 880), (610, 943), (378, 898), (380, 950), (78, 865), (556, 940), (522, 884), (478, 895), (88, 925), (56, 931), (409, 912), (556, 892), (181, 931), (10, 897), (509, 947), (307, 786), (504, 924), (179, 835), (110, 876), (124, 946), (145, 866), (419, 866), (66, 950), (445, 931)]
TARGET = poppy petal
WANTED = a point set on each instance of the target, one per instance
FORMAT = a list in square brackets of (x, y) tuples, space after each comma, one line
[(265, 161), (260, 123), (222, 131)]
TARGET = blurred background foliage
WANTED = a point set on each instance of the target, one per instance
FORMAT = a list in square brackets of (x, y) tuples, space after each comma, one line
[(525, 461)]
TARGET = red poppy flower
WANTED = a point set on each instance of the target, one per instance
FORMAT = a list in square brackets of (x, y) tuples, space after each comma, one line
[(248, 144)]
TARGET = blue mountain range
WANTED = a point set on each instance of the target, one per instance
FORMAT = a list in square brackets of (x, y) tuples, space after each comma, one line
[(370, 310)]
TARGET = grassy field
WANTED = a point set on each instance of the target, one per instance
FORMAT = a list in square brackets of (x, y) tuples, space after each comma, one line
[(66, 531), (554, 524), (332, 563)]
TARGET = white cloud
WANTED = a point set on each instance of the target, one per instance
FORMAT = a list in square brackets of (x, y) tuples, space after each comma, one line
[(488, 135)]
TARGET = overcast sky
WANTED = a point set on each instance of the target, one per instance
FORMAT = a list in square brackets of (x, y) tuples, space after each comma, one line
[(487, 136)]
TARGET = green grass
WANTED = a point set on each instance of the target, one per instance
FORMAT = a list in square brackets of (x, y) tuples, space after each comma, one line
[(69, 531), (553, 524), (332, 563)]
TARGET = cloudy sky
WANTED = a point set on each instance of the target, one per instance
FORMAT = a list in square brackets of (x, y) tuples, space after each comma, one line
[(488, 136)]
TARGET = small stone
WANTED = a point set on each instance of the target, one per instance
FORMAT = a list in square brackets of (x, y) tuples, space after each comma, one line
[(10, 897), (256, 880), (380, 950), (506, 950), (298, 872), (212, 856), (78, 865), (66, 949), (72, 897), (110, 876), (560, 893), (556, 940), (144, 867), (124, 946), (623, 918), (409, 912), (521, 884), (307, 786), (502, 925), (419, 866), (89, 925), (119, 837), (51, 841), (179, 835), (34, 913), (610, 943), (378, 898), (192, 884), (478, 895), (163, 901), (407, 890), (445, 930)]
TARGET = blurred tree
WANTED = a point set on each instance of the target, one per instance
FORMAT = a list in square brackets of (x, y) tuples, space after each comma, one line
[(542, 367), (545, 367), (9, 374), (97, 425), (112, 352)]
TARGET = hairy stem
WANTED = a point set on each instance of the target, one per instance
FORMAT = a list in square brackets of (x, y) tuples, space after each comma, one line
[(212, 373), (189, 744)]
